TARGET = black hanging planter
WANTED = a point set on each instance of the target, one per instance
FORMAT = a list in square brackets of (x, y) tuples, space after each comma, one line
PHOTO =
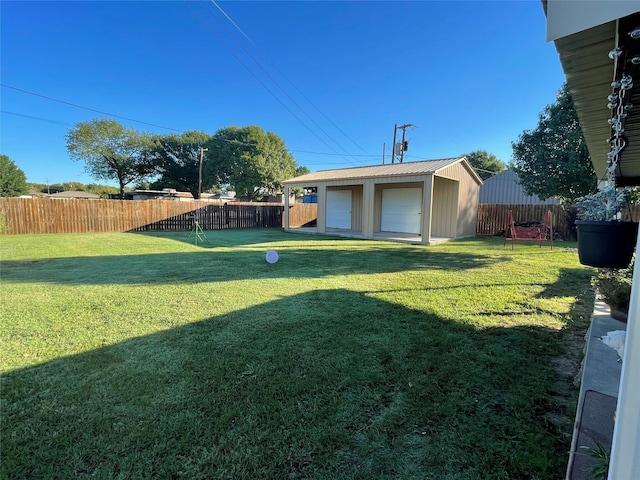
[(606, 244)]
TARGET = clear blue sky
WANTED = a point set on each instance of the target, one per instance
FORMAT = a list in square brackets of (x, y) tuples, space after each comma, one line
[(469, 75)]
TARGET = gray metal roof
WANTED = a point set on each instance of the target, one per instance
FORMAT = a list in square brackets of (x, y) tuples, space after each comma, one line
[(427, 167), (505, 188)]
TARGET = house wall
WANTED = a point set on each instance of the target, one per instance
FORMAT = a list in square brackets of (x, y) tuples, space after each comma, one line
[(468, 192)]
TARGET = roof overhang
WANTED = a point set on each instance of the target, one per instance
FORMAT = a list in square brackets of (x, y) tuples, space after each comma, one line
[(584, 32), (397, 170)]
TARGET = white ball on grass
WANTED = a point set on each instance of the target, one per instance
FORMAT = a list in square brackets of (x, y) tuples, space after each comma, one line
[(272, 256)]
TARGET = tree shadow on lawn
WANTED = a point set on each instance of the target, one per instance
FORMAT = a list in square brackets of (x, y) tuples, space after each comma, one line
[(238, 237), (326, 384), (212, 265)]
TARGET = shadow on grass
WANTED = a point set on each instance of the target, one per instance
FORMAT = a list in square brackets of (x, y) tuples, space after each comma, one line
[(326, 384), (219, 265), (235, 237)]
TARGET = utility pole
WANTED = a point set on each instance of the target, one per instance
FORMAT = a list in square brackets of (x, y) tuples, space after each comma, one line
[(384, 147), (404, 146), (393, 145), (202, 150)]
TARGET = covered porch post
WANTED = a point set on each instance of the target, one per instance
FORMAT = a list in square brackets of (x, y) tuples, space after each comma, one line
[(285, 217), (427, 206)]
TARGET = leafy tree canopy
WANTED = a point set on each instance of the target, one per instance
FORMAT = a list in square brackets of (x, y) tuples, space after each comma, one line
[(13, 181), (302, 170), (177, 159), (552, 160), (110, 151), (249, 160), (486, 164)]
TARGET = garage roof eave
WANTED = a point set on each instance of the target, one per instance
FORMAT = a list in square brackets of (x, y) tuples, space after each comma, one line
[(426, 167)]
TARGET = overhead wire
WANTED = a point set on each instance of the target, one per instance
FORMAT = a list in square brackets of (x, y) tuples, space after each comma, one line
[(232, 53), (278, 85), (31, 117), (87, 108), (287, 79), (237, 142)]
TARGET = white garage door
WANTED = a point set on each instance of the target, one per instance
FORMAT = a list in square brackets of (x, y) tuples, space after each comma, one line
[(401, 210), (339, 209)]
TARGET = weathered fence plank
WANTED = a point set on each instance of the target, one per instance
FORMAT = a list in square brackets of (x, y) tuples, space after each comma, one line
[(301, 214), (44, 215), (493, 218)]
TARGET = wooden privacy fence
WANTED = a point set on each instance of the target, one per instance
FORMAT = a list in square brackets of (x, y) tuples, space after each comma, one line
[(303, 214), (44, 215), (493, 218)]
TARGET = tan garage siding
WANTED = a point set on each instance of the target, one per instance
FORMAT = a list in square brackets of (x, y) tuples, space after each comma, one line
[(468, 193), (449, 196), (444, 213)]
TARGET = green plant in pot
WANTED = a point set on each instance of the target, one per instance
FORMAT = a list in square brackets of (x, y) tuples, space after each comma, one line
[(614, 286), (603, 239)]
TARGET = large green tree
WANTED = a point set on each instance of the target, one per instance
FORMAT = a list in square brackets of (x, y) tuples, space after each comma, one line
[(249, 160), (177, 159), (486, 164), (13, 181), (552, 160), (111, 151)]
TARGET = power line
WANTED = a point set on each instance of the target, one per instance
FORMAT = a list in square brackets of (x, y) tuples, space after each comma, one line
[(31, 117), (287, 79), (276, 83), (87, 108), (324, 153), (225, 140), (279, 86)]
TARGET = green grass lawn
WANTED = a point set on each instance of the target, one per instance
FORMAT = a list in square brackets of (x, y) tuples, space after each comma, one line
[(145, 356)]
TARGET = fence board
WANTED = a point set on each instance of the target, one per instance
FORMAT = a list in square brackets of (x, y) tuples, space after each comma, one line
[(301, 214), (492, 218), (44, 215)]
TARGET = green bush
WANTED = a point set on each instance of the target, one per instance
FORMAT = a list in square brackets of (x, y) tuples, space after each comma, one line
[(614, 284)]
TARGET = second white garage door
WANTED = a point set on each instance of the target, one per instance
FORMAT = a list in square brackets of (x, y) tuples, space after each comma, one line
[(401, 210)]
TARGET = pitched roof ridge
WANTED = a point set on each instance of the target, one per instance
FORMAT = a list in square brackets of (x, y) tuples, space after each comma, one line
[(390, 164)]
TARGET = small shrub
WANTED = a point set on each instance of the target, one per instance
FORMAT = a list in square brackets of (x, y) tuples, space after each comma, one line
[(614, 284)]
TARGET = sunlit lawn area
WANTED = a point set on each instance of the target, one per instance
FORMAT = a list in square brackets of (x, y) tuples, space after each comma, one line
[(146, 356)]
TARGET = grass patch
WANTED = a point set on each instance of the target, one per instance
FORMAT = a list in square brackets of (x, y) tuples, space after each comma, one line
[(145, 356)]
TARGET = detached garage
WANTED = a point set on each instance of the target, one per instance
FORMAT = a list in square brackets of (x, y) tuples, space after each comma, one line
[(421, 202)]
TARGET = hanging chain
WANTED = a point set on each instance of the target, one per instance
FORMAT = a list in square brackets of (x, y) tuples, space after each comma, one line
[(617, 141)]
